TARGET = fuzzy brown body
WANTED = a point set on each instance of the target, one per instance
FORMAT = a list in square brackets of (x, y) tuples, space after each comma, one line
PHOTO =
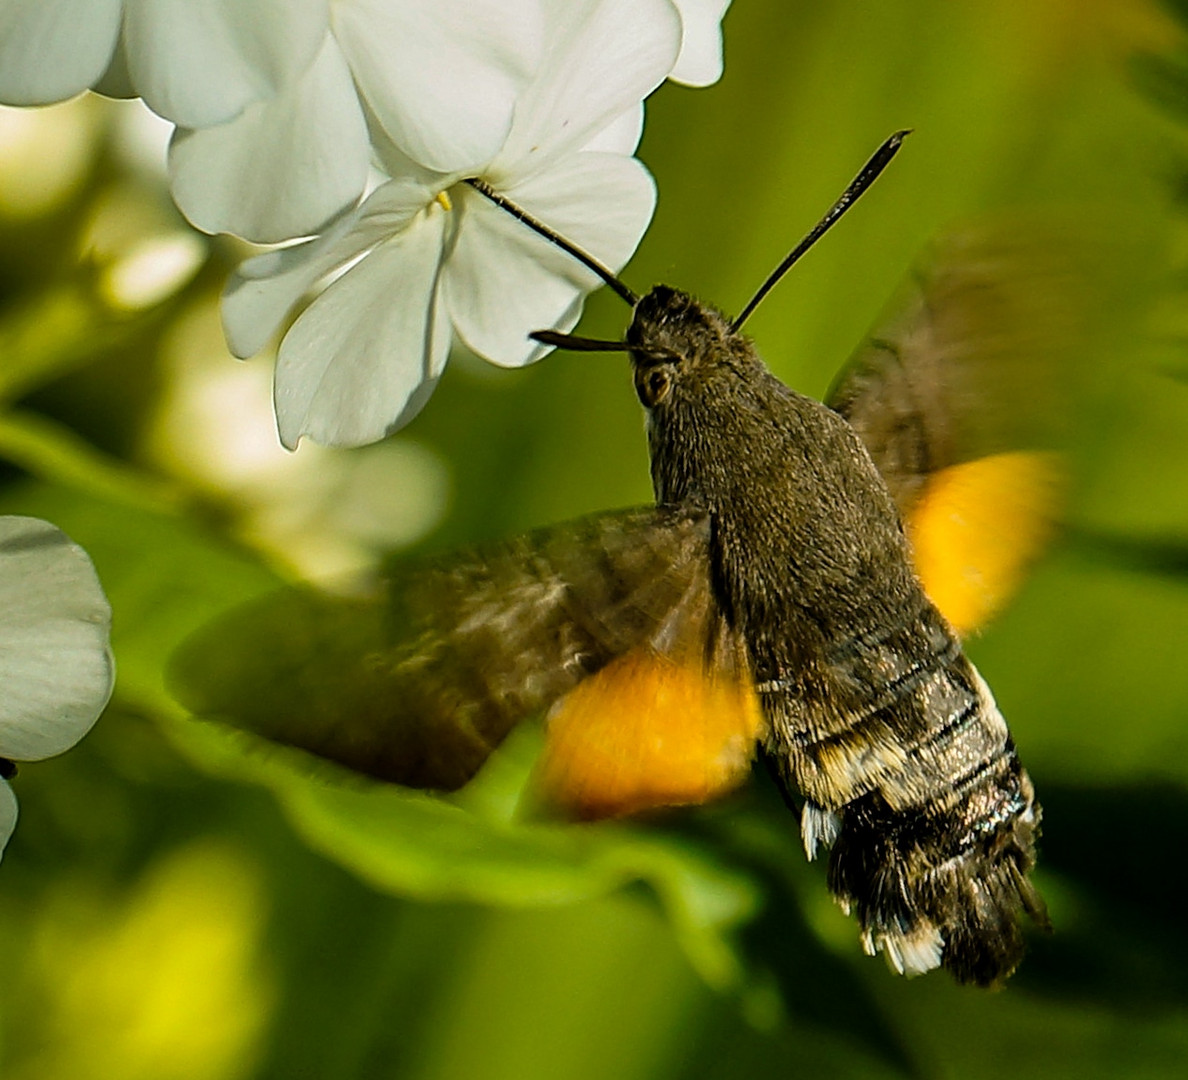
[(875, 715)]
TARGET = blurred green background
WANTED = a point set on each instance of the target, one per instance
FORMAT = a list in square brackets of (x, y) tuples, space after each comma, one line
[(175, 906)]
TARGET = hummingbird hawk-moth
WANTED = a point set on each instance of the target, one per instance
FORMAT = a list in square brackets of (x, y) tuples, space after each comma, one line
[(779, 598)]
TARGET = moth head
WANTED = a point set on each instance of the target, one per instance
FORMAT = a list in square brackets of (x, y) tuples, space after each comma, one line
[(678, 346), (676, 343)]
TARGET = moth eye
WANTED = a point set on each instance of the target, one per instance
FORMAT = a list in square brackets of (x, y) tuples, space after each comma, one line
[(654, 386)]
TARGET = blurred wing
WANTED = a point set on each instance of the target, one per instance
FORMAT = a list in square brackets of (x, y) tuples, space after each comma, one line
[(959, 400), (978, 525), (672, 722), (420, 686)]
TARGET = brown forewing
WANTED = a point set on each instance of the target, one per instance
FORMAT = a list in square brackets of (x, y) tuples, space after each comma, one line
[(977, 358), (420, 686)]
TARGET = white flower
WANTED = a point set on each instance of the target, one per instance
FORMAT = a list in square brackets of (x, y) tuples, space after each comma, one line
[(195, 62), (427, 254), (55, 664), (439, 79), (700, 61)]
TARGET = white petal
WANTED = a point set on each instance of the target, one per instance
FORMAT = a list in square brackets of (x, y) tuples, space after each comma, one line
[(391, 160), (441, 76), (55, 663), (53, 49), (602, 203), (285, 166), (605, 57), (8, 814), (364, 357), (264, 289), (700, 62), (202, 62), (622, 135), (503, 280), (116, 81)]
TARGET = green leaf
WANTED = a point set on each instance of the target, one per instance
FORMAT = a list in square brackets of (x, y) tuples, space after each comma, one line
[(55, 453), (52, 333)]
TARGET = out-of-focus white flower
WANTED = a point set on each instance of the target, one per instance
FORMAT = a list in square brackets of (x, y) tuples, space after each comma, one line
[(330, 515), (426, 253), (700, 61), (153, 269), (44, 155), (195, 62), (55, 662)]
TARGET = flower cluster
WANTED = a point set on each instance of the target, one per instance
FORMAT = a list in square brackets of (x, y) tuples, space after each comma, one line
[(55, 663), (288, 111)]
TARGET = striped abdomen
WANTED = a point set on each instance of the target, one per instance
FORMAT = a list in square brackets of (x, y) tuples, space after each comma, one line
[(909, 772)]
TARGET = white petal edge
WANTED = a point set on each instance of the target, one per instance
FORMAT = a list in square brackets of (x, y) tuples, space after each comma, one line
[(362, 360), (503, 281), (202, 62), (700, 61), (8, 815), (441, 76), (264, 289), (285, 166), (621, 135), (51, 50), (607, 56), (116, 81), (55, 658)]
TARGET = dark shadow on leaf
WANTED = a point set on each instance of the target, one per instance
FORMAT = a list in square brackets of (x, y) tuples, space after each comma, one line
[(1120, 852), (1166, 556), (760, 835)]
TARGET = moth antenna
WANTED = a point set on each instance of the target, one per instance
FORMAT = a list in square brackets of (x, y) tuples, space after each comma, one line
[(870, 171), (539, 227), (577, 344)]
